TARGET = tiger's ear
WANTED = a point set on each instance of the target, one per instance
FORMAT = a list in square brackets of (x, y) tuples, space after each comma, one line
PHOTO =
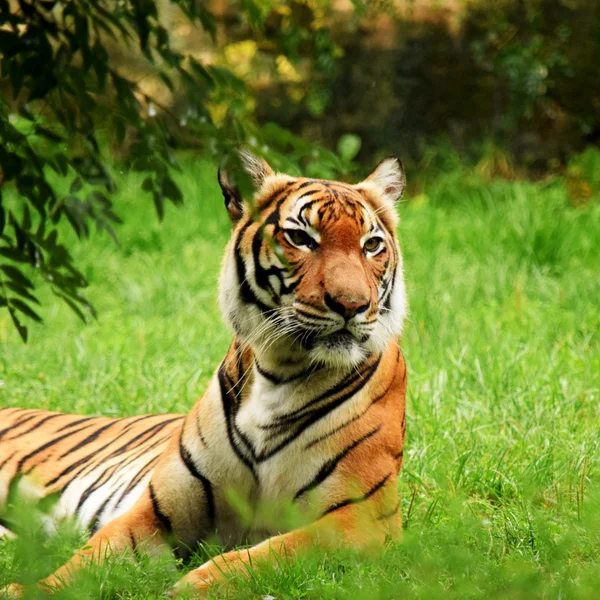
[(257, 169), (389, 179)]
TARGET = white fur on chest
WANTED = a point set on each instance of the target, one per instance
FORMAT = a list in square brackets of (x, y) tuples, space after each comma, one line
[(287, 470)]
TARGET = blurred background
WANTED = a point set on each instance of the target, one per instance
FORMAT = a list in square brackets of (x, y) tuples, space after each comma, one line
[(516, 78)]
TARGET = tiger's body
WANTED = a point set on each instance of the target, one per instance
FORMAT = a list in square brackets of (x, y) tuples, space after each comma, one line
[(306, 409), (97, 467)]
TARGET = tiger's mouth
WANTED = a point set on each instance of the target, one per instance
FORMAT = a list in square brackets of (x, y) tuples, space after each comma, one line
[(341, 348), (332, 341)]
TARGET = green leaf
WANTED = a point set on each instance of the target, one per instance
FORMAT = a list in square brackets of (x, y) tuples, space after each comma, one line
[(207, 19), (172, 191), (48, 134), (73, 306), (348, 146), (17, 276), (76, 185), (24, 308), (14, 255), (21, 291), (19, 326), (159, 204)]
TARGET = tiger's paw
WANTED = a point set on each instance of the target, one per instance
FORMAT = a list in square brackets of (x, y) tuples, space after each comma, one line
[(196, 583), (6, 533), (14, 590)]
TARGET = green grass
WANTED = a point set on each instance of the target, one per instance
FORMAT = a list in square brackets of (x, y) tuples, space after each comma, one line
[(503, 352)]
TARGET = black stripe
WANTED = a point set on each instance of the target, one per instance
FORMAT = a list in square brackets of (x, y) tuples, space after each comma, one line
[(334, 431), (133, 544), (149, 433), (267, 375), (144, 449), (327, 469), (89, 439), (45, 446), (310, 315), (95, 521), (387, 302), (342, 385), (262, 275), (111, 471), (141, 451), (74, 466), (306, 184), (35, 426), (102, 479), (246, 293), (22, 420), (160, 515), (131, 423), (308, 205), (239, 359), (5, 461), (228, 409), (315, 306), (238, 432), (136, 480), (399, 454), (277, 380), (190, 465), (83, 462), (389, 514), (317, 415), (345, 385), (199, 430), (384, 393), (74, 424), (357, 500)]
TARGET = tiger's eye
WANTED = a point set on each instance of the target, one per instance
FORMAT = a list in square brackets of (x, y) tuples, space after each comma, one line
[(372, 244), (300, 238)]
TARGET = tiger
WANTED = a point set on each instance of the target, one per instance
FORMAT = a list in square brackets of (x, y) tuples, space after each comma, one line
[(306, 409)]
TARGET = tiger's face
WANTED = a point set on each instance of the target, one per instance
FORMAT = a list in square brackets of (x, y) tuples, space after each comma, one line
[(313, 272)]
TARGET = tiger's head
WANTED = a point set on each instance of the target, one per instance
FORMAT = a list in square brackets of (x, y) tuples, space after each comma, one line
[(313, 271)]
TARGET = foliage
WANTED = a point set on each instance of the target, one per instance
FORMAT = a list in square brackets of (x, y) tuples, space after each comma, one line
[(528, 47), (524, 74), (64, 95), (503, 354), (583, 176)]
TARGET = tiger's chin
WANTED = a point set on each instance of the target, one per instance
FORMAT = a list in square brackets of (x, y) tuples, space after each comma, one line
[(340, 350)]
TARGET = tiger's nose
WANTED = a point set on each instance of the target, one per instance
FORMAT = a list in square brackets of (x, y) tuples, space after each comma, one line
[(347, 307)]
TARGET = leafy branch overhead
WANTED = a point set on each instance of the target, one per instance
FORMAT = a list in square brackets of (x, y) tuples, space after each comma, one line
[(62, 94)]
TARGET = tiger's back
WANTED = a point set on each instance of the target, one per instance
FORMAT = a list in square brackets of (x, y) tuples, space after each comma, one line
[(96, 466)]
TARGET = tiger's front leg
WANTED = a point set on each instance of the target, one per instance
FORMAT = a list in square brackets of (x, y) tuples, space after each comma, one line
[(141, 526), (363, 522)]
